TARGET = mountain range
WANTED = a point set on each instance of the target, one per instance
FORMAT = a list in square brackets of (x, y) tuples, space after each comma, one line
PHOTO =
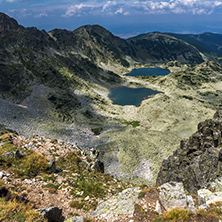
[(57, 83)]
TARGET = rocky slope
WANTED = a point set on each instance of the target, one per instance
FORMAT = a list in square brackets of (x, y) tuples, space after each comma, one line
[(197, 162), (158, 47), (43, 179), (57, 84), (208, 43)]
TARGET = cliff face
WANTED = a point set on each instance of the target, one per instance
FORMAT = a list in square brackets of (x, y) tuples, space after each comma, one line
[(198, 161)]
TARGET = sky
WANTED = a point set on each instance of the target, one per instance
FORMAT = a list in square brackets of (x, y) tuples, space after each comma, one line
[(125, 18)]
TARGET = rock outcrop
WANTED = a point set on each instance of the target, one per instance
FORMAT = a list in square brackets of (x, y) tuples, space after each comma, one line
[(172, 195), (198, 161), (122, 204)]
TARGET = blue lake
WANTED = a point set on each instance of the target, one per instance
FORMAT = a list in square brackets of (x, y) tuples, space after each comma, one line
[(157, 71), (130, 96)]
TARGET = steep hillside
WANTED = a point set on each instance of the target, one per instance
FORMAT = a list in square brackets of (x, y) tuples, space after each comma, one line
[(158, 47), (208, 43), (95, 42)]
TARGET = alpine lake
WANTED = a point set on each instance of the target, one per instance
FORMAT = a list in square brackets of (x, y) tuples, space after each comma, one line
[(134, 96)]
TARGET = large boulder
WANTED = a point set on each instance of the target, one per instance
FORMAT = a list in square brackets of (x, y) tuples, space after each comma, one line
[(172, 195), (198, 161), (122, 204), (206, 197)]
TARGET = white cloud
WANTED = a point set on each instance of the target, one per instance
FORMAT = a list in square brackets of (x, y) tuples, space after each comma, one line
[(176, 6), (119, 11), (130, 7), (108, 5), (77, 10), (42, 14)]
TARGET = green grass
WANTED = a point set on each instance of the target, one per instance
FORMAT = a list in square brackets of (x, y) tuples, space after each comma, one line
[(134, 123), (175, 215), (28, 166), (13, 211), (90, 187)]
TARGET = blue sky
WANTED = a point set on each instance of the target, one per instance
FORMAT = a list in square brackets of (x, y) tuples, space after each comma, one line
[(124, 18)]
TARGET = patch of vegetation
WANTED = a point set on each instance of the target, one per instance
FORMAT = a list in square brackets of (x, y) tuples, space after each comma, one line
[(97, 130), (83, 204), (52, 188), (90, 187), (134, 123), (30, 165), (175, 215), (15, 211), (141, 195), (78, 204)]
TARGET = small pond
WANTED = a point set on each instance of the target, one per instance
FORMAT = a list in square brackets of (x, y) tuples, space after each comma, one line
[(130, 96), (156, 71)]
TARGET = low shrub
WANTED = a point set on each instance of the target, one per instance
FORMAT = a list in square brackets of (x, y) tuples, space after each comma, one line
[(78, 204)]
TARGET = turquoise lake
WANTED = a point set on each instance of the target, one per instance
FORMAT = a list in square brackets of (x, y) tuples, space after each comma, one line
[(156, 71), (130, 96)]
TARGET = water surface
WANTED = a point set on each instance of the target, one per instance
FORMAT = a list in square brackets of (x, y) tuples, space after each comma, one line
[(130, 96), (156, 71)]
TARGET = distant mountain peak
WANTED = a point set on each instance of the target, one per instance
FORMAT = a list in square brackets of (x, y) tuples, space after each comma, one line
[(8, 24)]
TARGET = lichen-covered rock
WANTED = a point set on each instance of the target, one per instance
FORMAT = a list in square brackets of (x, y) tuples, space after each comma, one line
[(122, 204), (190, 203), (172, 195), (198, 161), (158, 207), (206, 197), (203, 196), (217, 185)]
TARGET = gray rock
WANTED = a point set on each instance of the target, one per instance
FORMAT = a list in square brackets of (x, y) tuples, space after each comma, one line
[(206, 197), (52, 214), (190, 204), (217, 185), (172, 195), (122, 204), (158, 207), (1, 175), (203, 207), (28, 181), (203, 196), (31, 145), (75, 219)]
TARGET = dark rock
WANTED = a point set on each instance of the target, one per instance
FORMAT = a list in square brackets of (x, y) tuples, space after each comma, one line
[(198, 161), (52, 214), (99, 166), (51, 166)]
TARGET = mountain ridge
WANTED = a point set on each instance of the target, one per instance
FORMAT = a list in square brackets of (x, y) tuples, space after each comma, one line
[(57, 84)]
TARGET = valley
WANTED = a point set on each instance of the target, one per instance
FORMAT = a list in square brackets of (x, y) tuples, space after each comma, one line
[(56, 84)]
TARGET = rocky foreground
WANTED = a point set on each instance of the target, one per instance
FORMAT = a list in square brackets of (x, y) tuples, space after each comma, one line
[(43, 179)]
